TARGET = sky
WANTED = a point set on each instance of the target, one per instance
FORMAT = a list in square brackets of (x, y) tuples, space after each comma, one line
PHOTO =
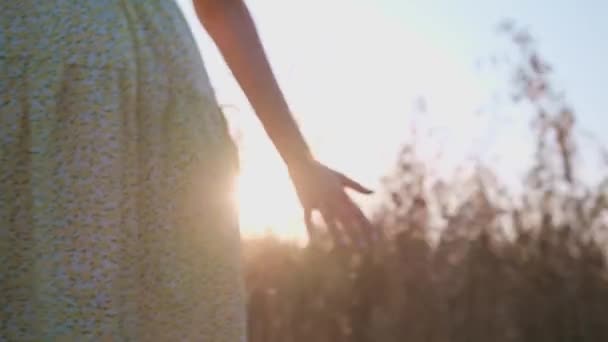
[(352, 71)]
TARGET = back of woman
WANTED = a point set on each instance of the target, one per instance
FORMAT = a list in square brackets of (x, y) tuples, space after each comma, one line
[(115, 174)]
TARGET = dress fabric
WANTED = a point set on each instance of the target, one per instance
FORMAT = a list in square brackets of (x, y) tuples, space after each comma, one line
[(116, 171)]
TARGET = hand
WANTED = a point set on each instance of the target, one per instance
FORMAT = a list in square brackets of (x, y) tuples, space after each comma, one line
[(231, 27), (323, 189)]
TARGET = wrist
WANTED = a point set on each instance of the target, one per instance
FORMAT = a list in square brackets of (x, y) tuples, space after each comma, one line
[(292, 147), (296, 156), (298, 160)]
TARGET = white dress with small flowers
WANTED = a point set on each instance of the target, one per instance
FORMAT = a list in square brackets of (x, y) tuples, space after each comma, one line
[(116, 167)]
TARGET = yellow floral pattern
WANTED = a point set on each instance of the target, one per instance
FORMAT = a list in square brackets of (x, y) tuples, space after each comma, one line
[(116, 166)]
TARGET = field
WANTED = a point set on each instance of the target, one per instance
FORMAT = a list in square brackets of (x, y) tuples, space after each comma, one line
[(526, 266)]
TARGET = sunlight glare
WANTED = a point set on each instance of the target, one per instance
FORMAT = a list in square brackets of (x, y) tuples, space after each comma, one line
[(265, 195), (351, 87)]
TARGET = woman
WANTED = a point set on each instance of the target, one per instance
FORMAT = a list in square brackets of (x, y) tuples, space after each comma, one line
[(116, 167)]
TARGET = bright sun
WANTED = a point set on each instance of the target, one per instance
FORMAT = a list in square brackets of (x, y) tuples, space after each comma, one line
[(266, 199), (354, 90)]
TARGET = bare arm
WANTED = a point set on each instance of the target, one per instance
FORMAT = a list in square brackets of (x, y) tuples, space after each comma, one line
[(318, 187), (231, 27)]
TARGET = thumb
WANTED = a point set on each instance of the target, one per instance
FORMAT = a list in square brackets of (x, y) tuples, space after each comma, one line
[(349, 183)]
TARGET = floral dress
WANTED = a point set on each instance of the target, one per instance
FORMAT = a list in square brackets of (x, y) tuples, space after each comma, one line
[(116, 172)]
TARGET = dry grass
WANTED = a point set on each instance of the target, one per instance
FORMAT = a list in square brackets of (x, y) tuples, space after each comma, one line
[(527, 267)]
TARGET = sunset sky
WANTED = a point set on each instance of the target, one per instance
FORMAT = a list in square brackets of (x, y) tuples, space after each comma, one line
[(352, 70)]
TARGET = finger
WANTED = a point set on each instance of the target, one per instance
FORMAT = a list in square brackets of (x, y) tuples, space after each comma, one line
[(349, 183), (310, 228), (356, 217), (348, 222), (332, 227), (355, 222), (367, 228)]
